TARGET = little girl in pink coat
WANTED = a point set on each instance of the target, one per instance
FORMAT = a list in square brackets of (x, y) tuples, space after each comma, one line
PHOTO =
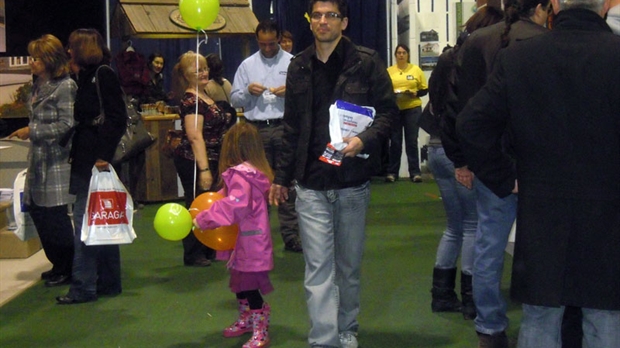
[(246, 178)]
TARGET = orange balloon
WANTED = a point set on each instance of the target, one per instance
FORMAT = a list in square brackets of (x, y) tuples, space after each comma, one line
[(221, 238)]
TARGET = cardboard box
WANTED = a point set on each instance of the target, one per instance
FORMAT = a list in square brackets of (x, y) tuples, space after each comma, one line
[(4, 209), (12, 247)]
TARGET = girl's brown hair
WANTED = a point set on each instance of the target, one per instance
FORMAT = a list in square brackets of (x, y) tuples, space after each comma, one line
[(88, 48), (243, 143), (51, 52)]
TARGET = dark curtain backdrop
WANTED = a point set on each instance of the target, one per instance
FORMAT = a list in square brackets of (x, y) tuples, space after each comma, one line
[(27, 20), (367, 27)]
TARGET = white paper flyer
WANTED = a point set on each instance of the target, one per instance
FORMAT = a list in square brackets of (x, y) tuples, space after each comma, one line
[(345, 120)]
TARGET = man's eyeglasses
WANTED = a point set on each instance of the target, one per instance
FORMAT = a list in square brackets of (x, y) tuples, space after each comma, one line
[(317, 16)]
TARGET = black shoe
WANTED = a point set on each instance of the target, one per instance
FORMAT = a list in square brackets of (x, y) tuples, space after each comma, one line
[(294, 245), (198, 263), (108, 293), (498, 340), (58, 280), (67, 300), (47, 274)]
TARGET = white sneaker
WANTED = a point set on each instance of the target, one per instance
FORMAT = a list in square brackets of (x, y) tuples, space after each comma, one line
[(348, 339)]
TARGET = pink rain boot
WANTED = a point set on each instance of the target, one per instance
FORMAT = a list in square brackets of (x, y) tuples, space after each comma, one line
[(260, 320), (243, 323)]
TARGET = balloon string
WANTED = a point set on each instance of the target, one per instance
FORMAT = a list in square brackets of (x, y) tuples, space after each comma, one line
[(198, 43)]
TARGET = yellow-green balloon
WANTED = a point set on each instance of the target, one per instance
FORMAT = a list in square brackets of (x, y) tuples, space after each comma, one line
[(199, 14), (172, 221)]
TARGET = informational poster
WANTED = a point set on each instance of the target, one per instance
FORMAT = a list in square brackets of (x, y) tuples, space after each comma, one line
[(429, 49), (431, 34)]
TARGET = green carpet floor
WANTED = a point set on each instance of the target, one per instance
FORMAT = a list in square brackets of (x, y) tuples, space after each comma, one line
[(165, 304)]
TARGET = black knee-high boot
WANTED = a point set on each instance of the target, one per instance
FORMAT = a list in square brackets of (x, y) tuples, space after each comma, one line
[(469, 308), (444, 297)]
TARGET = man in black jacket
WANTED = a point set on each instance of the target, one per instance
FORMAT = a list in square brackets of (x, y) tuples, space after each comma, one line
[(332, 200), (557, 95)]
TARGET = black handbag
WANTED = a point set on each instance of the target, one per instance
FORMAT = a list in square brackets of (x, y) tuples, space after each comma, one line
[(136, 138)]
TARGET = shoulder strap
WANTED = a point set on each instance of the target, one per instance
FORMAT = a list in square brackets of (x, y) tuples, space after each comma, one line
[(100, 119), (101, 111), (223, 90)]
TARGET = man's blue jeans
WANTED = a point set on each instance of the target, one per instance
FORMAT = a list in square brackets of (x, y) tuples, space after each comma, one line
[(332, 229), (495, 218), (541, 327), (460, 205)]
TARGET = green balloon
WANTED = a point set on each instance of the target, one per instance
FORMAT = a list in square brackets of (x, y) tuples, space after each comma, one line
[(172, 222), (199, 14)]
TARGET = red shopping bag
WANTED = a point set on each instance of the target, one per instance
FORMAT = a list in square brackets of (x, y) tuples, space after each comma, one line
[(109, 211)]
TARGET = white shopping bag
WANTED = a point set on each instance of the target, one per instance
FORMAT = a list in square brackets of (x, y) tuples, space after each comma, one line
[(109, 211), (345, 120), (24, 227)]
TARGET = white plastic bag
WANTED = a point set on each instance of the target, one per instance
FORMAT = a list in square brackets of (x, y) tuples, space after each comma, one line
[(345, 120), (109, 211), (24, 227)]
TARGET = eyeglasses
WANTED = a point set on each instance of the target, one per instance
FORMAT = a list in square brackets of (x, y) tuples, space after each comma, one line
[(34, 59), (199, 72), (317, 16)]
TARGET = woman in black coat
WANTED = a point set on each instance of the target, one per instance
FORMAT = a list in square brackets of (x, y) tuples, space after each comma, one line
[(96, 269)]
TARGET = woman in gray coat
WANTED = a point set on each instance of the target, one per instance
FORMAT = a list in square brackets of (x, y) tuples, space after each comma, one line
[(46, 190)]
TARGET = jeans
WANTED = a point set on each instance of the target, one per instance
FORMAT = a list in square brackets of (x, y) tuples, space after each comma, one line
[(96, 268), (332, 225), (495, 218), (408, 119), (541, 327), (461, 213)]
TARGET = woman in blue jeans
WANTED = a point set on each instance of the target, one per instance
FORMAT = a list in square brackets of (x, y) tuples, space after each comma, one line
[(458, 238), (458, 200)]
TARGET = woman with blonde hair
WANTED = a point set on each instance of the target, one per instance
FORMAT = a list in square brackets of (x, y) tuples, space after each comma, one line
[(46, 189), (196, 157)]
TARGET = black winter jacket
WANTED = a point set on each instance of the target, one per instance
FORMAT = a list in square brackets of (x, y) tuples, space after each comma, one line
[(95, 142), (364, 81)]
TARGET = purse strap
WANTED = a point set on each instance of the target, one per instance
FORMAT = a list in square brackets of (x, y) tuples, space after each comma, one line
[(101, 117), (223, 90)]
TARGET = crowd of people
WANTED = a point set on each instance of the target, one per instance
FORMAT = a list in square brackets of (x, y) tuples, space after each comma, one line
[(508, 105)]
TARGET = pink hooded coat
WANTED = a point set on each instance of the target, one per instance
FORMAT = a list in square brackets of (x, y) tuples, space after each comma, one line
[(245, 204)]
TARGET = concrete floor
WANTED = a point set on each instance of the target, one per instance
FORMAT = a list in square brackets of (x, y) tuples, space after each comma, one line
[(17, 275)]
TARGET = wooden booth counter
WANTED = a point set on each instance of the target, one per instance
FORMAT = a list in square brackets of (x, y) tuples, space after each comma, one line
[(158, 180)]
